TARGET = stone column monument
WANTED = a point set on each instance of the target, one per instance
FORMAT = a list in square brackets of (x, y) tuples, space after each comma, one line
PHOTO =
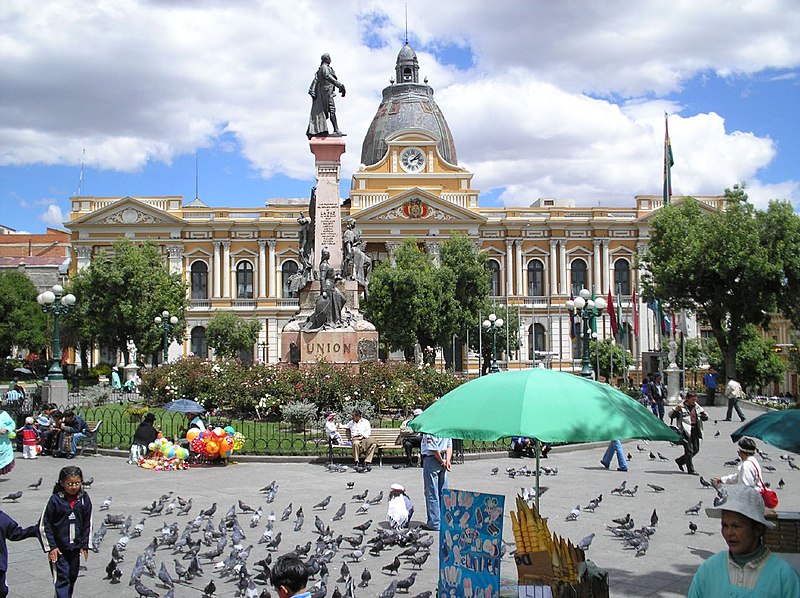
[(673, 375)]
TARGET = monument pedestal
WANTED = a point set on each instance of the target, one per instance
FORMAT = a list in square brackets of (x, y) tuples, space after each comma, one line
[(340, 346), (55, 391), (328, 214), (673, 384)]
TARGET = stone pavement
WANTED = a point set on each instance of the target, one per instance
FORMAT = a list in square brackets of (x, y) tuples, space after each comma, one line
[(666, 569)]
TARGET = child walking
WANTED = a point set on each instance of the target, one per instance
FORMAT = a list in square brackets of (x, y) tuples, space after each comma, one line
[(66, 529), (30, 438), (10, 530)]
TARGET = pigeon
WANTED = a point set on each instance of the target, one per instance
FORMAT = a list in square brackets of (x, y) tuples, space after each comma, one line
[(733, 463), (246, 508), (392, 567), (209, 590), (344, 573), (623, 520), (340, 512), (298, 522), (366, 576), (792, 465), (652, 456), (692, 527), (640, 449), (14, 496), (356, 554), (704, 482), (573, 514), (112, 564), (363, 509), (390, 591), (364, 526), (717, 434), (694, 510), (362, 496), (144, 591), (87, 483), (419, 560), (275, 542), (405, 584), (323, 503), (768, 468), (378, 498), (656, 488), (494, 471), (586, 542), (631, 491), (781, 484), (208, 513), (654, 519), (287, 512), (106, 504), (591, 506), (36, 484), (350, 485), (180, 570), (722, 495), (619, 489), (661, 457), (643, 546), (256, 518)]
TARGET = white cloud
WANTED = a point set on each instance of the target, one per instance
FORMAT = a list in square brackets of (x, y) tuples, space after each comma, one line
[(53, 216), (760, 194), (137, 81)]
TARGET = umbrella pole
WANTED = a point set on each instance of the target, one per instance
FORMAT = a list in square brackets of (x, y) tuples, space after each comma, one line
[(538, 452)]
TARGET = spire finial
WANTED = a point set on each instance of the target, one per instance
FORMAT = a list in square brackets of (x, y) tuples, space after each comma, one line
[(406, 23)]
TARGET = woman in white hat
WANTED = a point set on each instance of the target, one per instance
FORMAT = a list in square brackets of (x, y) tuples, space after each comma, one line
[(747, 568), (400, 509), (749, 470)]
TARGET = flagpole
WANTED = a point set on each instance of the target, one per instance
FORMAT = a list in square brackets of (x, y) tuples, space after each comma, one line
[(480, 344)]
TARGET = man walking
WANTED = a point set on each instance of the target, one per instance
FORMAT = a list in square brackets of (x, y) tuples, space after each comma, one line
[(657, 396), (733, 392), (437, 455), (690, 418), (710, 382)]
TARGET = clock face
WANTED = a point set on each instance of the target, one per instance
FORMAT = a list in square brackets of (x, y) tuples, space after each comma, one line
[(412, 159)]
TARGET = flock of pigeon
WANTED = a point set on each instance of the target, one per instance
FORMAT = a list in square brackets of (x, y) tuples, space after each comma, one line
[(206, 553)]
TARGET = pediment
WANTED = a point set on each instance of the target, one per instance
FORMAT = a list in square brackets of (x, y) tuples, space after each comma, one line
[(416, 206), (127, 211)]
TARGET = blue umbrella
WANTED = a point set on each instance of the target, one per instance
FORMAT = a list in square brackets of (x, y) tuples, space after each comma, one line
[(185, 406)]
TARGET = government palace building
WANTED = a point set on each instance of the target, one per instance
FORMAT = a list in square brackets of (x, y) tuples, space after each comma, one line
[(409, 185)]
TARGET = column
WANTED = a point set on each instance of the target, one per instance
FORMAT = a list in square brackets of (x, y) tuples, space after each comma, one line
[(597, 268), (390, 249), (606, 269), (553, 286), (84, 256), (518, 255), (562, 258), (262, 268), (508, 269), (175, 256), (217, 273), (273, 273), (226, 269)]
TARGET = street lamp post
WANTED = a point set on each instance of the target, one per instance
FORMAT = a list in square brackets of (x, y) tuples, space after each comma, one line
[(55, 302), (585, 308), (493, 324), (262, 350), (166, 322)]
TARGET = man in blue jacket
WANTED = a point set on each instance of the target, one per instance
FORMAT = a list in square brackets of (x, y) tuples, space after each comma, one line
[(74, 424)]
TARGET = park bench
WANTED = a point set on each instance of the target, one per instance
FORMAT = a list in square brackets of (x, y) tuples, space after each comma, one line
[(90, 440), (385, 439)]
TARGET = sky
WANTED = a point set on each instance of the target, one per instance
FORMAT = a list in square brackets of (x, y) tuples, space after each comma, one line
[(545, 99)]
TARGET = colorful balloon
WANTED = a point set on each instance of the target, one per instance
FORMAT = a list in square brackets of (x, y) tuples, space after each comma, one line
[(212, 448), (229, 429), (192, 434), (238, 441)]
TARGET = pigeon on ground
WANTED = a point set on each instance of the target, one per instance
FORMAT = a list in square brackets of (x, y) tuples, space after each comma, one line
[(366, 576), (629, 456), (87, 483), (350, 485), (246, 508), (573, 514), (275, 542), (209, 512), (405, 584), (165, 577), (362, 496), (390, 591), (287, 512), (792, 465), (209, 590), (694, 510), (630, 491), (717, 434), (323, 503), (619, 489), (298, 522), (654, 519), (768, 468), (722, 495), (344, 573), (656, 488), (419, 561), (643, 546), (340, 512), (106, 504), (364, 526), (144, 591), (356, 554), (364, 508), (392, 567), (494, 471), (623, 520), (14, 496), (652, 456), (36, 484), (704, 482), (662, 457), (692, 527), (781, 484), (586, 542), (377, 500), (640, 449), (256, 518)]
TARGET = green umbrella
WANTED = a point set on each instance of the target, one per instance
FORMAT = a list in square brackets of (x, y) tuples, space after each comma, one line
[(538, 403), (778, 428)]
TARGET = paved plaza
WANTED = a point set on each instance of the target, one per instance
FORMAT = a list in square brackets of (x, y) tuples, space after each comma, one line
[(665, 570)]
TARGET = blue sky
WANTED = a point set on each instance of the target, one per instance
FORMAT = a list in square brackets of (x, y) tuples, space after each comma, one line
[(574, 110)]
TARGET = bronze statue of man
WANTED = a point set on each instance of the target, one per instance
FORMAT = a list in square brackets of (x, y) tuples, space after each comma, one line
[(323, 90)]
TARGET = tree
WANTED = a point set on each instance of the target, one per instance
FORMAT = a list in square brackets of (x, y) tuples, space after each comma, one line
[(410, 302), (757, 363), (462, 258), (610, 353), (22, 322), (507, 336), (733, 266), (228, 334), (122, 291)]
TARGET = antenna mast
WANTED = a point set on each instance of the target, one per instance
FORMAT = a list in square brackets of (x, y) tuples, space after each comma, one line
[(406, 23), (196, 177), (80, 176)]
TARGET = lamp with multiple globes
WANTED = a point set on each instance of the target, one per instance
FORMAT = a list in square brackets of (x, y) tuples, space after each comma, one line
[(586, 308), (493, 324), (166, 322), (54, 301)]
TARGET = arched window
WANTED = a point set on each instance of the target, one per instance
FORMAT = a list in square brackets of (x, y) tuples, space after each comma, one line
[(244, 280), (622, 277), (199, 345), (578, 276), (199, 280), (288, 268), (536, 341), (493, 266), (535, 278)]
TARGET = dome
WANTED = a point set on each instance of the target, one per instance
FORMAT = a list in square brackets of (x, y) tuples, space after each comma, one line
[(407, 104)]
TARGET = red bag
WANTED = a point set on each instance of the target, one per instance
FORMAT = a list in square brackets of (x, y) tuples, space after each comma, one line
[(769, 496)]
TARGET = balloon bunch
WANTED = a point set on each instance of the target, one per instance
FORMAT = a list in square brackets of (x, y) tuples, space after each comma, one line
[(215, 442), (164, 455)]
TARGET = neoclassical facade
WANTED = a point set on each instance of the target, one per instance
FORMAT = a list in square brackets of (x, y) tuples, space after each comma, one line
[(409, 184)]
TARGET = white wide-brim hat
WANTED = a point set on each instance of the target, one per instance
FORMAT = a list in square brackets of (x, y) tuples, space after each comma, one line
[(397, 488), (745, 500)]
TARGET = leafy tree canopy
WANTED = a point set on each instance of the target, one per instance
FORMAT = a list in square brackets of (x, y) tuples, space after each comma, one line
[(122, 291), (607, 355), (22, 322), (757, 363), (734, 266), (229, 334)]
